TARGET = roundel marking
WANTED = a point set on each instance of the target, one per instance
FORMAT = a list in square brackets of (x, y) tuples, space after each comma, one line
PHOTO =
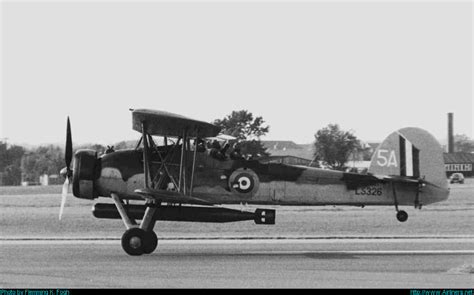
[(244, 182)]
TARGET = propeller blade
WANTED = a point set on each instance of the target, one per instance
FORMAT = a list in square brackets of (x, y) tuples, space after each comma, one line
[(63, 197), (68, 152)]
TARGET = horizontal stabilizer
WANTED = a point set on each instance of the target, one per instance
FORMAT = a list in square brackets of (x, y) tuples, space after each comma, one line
[(401, 179)]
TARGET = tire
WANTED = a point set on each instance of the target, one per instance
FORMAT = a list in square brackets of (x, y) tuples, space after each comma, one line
[(133, 241), (402, 216), (151, 242)]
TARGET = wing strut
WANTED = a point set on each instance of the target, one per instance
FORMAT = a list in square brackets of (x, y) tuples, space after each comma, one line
[(194, 161), (146, 167), (182, 170), (154, 179), (159, 173)]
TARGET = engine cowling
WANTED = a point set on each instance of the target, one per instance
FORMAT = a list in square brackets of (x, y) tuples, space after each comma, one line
[(86, 169)]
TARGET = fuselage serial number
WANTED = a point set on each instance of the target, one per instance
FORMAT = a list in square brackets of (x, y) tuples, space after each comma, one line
[(370, 190)]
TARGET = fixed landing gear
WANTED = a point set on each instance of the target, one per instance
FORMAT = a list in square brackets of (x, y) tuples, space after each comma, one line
[(402, 216), (151, 242), (137, 240)]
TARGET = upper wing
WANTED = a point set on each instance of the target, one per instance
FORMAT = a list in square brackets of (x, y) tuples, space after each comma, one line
[(168, 124), (170, 197)]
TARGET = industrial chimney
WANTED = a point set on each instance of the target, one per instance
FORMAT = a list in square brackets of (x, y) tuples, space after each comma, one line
[(450, 133)]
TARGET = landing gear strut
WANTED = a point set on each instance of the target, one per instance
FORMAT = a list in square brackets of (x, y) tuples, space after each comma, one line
[(402, 216), (137, 240)]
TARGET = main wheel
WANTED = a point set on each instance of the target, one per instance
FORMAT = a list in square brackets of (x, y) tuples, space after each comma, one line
[(134, 241), (402, 216), (151, 242)]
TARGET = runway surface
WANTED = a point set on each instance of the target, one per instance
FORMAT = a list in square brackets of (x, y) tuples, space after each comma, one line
[(350, 262)]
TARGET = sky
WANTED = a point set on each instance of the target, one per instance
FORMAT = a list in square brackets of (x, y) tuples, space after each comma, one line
[(371, 67)]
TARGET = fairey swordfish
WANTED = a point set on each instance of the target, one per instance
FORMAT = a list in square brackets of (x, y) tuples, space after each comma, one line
[(406, 169)]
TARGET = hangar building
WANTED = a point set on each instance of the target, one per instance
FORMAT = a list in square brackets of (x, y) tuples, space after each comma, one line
[(459, 162)]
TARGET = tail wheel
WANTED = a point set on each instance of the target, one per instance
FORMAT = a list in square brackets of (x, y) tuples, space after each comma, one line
[(402, 216), (134, 241), (151, 242)]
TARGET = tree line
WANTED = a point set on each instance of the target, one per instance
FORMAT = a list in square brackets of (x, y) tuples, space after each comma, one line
[(332, 147)]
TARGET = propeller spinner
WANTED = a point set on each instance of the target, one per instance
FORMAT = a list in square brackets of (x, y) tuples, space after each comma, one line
[(66, 172)]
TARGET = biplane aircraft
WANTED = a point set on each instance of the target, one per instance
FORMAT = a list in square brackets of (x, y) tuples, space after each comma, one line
[(183, 179)]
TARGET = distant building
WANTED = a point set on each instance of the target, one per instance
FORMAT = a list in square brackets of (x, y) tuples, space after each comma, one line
[(459, 162), (288, 148), (288, 152), (280, 145), (55, 179), (372, 146), (52, 179), (289, 160), (291, 153), (44, 179), (358, 166)]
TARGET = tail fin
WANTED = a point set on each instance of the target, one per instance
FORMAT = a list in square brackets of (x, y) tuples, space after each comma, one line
[(411, 152)]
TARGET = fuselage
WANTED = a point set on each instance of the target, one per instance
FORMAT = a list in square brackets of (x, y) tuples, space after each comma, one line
[(228, 181)]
